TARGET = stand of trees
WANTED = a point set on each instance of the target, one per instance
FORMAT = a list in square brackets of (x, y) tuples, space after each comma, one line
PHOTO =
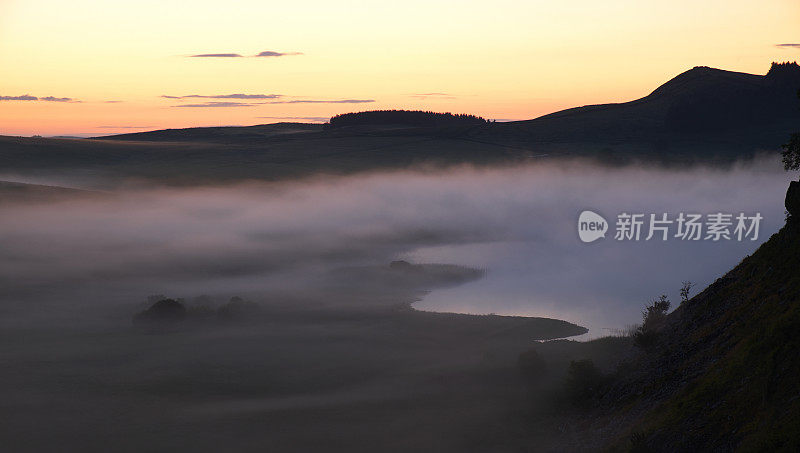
[(785, 70), (415, 118)]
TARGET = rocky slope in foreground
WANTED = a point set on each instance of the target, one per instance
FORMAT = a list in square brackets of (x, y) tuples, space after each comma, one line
[(724, 373)]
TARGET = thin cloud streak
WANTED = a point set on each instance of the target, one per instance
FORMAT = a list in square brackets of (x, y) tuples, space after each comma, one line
[(225, 96), (432, 95), (241, 96), (217, 104), (265, 53), (24, 97), (123, 127), (314, 101), (216, 55), (272, 53), (789, 45), (55, 99)]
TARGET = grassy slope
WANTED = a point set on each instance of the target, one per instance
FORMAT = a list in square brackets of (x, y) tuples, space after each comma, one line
[(219, 133), (726, 376), (17, 192), (280, 157), (297, 155)]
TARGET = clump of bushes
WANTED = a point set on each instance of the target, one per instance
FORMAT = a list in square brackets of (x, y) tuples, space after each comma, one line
[(162, 311), (401, 265), (237, 308), (639, 443), (532, 366), (165, 311), (654, 317), (584, 381)]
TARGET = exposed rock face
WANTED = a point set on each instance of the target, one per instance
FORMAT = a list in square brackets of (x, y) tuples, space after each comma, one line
[(166, 310), (793, 199)]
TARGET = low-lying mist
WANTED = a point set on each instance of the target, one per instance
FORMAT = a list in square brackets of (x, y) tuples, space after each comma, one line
[(332, 358), (272, 241)]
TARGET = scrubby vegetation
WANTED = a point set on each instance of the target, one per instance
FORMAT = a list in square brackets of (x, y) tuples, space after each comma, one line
[(165, 311), (791, 149), (584, 381), (237, 308), (654, 317), (532, 366), (686, 289), (416, 118), (722, 377)]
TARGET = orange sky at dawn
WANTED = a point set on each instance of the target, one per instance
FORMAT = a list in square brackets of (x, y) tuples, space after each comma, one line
[(101, 67)]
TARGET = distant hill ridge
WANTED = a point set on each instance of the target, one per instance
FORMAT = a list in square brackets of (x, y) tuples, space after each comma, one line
[(702, 115), (218, 133), (702, 105), (702, 100)]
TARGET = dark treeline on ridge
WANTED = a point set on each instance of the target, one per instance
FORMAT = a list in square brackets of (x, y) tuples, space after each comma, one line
[(783, 70), (417, 118)]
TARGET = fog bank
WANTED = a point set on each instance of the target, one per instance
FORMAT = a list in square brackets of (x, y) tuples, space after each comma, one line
[(287, 240)]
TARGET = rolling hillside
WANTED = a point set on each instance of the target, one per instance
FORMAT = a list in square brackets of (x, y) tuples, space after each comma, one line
[(702, 115), (701, 112)]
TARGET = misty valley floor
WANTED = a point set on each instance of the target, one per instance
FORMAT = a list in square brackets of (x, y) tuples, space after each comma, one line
[(371, 381), (335, 359)]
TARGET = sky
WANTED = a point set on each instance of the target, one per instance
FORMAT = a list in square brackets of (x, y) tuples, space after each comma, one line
[(98, 67)]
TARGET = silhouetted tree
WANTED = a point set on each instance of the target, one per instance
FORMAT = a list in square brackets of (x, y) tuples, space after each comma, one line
[(686, 288), (791, 150)]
